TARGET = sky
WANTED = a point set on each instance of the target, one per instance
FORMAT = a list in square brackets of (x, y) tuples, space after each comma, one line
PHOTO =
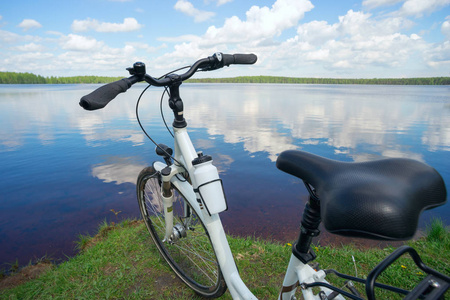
[(298, 38)]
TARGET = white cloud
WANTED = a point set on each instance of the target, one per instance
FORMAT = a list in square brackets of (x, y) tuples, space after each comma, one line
[(218, 2), (188, 8), (7, 37), (354, 22), (382, 43), (28, 24), (181, 38), (319, 55), (147, 47), (74, 42), (129, 24), (342, 64), (445, 28), (222, 2), (31, 47), (419, 8), (26, 62), (360, 24), (89, 55), (261, 23), (54, 32), (357, 42), (410, 7), (317, 32), (439, 55), (77, 54), (84, 25), (377, 3), (261, 26)]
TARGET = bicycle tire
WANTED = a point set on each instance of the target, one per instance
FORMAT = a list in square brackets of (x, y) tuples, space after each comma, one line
[(192, 257)]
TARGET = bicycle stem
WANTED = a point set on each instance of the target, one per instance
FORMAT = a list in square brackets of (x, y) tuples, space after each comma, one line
[(175, 102)]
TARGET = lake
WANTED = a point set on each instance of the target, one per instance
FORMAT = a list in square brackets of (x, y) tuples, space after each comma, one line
[(64, 170)]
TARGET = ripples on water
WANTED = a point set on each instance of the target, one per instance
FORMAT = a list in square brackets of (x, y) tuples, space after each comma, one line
[(63, 169)]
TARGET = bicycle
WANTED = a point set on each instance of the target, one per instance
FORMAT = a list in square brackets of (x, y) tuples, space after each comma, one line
[(180, 200)]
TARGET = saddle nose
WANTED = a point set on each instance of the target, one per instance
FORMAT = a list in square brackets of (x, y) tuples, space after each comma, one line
[(379, 199)]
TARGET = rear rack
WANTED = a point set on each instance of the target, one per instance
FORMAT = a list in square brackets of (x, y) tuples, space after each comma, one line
[(433, 286)]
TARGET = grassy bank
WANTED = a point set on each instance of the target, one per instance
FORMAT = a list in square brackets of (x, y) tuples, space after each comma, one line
[(121, 262)]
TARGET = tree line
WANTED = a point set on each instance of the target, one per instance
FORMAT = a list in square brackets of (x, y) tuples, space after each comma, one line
[(30, 78), (297, 80)]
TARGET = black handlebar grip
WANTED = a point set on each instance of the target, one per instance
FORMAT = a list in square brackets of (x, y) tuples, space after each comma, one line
[(104, 94), (239, 59)]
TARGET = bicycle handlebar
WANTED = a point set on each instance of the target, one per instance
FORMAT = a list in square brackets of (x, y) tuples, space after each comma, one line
[(239, 59), (104, 94)]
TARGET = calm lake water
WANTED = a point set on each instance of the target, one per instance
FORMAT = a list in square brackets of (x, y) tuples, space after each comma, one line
[(63, 169)]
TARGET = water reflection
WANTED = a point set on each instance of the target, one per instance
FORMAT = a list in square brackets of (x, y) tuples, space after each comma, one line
[(79, 165), (274, 118), (95, 137), (118, 170)]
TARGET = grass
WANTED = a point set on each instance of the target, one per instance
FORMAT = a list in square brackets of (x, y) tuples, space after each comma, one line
[(121, 262), (437, 233)]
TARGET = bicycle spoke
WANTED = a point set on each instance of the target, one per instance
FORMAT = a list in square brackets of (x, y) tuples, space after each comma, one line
[(149, 201), (197, 254), (187, 252), (156, 215)]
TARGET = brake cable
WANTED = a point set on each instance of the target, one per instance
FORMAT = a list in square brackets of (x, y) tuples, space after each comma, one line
[(162, 116)]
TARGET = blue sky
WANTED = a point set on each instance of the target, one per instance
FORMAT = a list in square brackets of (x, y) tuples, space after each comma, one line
[(301, 38)]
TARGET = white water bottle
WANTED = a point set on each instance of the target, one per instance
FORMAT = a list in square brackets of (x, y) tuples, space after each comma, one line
[(207, 184)]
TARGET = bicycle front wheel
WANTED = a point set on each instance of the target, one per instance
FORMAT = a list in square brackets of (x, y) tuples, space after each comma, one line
[(188, 251)]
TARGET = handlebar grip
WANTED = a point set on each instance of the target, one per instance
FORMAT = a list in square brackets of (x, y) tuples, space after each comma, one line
[(104, 94), (239, 59)]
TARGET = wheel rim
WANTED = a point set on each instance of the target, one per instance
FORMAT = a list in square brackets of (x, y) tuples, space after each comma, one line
[(189, 250)]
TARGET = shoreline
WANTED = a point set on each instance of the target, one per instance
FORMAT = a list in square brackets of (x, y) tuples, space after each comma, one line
[(121, 261), (30, 78)]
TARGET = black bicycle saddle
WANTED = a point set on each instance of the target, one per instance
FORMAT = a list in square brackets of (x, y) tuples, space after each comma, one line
[(379, 199)]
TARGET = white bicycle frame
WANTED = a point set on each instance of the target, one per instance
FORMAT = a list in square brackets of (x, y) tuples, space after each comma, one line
[(297, 272)]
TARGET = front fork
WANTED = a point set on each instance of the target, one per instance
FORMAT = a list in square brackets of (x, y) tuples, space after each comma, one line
[(172, 231), (167, 197)]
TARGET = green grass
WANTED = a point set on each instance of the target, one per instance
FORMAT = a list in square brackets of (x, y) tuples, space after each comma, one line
[(437, 233), (121, 262)]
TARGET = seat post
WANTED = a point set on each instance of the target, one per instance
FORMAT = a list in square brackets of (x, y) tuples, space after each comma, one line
[(308, 230)]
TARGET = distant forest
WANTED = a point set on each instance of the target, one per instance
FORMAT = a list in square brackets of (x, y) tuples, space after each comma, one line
[(295, 80), (29, 78)]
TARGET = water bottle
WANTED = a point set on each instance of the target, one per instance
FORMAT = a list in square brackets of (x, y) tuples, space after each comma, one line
[(208, 185)]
